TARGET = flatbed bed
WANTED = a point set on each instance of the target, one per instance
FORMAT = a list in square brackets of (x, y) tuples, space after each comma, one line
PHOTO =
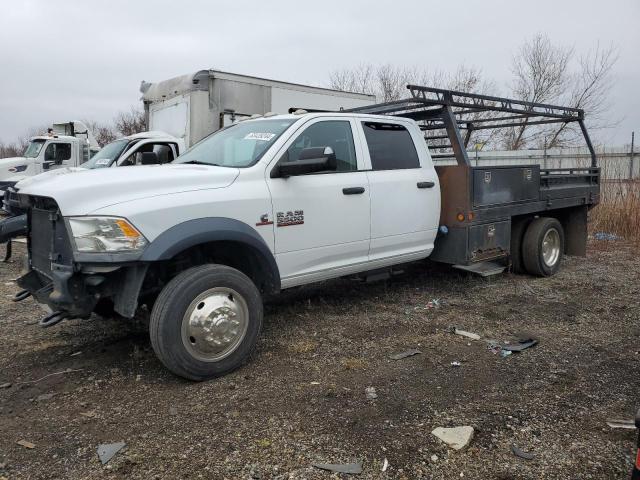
[(485, 210)]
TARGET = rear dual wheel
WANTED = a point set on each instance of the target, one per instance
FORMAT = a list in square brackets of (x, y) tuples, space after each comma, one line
[(542, 247)]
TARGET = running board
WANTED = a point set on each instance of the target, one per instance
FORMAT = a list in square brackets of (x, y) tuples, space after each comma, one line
[(484, 269)]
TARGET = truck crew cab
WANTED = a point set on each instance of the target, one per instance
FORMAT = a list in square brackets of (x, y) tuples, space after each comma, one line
[(286, 200)]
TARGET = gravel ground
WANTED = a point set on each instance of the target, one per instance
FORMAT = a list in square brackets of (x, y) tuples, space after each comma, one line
[(302, 398)]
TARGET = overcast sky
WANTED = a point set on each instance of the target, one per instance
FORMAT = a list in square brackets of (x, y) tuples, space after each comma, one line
[(85, 59)]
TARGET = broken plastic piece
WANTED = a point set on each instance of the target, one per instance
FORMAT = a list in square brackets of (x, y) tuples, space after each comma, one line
[(107, 451), (456, 437), (348, 468), (521, 345), (408, 353), (521, 453), (617, 423), (464, 333)]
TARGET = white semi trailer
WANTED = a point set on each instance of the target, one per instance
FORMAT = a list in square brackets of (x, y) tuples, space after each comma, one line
[(195, 105)]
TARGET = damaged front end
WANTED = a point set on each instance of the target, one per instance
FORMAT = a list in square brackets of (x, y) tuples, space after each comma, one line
[(73, 283)]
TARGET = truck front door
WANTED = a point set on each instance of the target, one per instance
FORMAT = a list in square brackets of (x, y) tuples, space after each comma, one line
[(58, 154), (321, 220)]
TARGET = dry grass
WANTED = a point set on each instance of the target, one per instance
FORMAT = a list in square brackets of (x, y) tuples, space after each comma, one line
[(619, 210), (353, 363), (303, 346)]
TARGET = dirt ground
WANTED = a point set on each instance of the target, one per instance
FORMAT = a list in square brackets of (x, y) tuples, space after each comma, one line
[(302, 398)]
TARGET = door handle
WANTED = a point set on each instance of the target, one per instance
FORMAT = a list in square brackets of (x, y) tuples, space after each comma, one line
[(353, 190), (426, 184)]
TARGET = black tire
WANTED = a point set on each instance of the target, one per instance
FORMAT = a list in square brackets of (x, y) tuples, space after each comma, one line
[(178, 296), (533, 248), (518, 228)]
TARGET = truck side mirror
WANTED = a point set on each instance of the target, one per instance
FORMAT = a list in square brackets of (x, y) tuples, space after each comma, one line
[(311, 160), (149, 158)]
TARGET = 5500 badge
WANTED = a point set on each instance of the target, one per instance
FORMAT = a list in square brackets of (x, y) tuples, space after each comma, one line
[(289, 218), (283, 219)]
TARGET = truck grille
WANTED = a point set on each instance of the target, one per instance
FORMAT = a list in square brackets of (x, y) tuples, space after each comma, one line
[(48, 240)]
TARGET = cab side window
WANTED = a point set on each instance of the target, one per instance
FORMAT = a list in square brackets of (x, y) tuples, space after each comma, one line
[(336, 134), (57, 152), (390, 146)]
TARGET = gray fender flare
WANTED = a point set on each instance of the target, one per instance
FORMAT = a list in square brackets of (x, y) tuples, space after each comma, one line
[(204, 230)]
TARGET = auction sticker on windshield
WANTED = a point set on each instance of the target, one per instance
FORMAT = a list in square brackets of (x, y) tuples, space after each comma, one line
[(265, 137)]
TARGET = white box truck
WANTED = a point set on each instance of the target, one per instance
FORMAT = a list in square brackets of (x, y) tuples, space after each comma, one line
[(195, 105)]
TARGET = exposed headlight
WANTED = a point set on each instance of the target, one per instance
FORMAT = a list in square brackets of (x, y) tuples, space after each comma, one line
[(105, 235)]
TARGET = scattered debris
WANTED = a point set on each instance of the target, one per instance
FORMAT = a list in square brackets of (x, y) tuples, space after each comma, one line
[(617, 423), (520, 345), (508, 348), (435, 303), (456, 437), (75, 354), (385, 465), (68, 370), (408, 353), (44, 397), (606, 236), (349, 468), (26, 444), (107, 451), (521, 453), (91, 414), (456, 364), (6, 385), (314, 383), (464, 333), (434, 458), (370, 392)]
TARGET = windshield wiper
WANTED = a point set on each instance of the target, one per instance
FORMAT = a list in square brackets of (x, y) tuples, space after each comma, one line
[(198, 162)]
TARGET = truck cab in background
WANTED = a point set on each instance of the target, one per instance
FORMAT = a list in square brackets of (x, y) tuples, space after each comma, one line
[(143, 148), (70, 145)]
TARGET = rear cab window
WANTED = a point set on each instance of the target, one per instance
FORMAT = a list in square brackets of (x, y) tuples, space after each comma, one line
[(390, 145)]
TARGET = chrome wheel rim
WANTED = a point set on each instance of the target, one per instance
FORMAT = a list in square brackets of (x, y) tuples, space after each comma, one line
[(551, 247), (215, 324)]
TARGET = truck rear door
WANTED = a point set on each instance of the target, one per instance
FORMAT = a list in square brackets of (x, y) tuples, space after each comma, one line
[(404, 190)]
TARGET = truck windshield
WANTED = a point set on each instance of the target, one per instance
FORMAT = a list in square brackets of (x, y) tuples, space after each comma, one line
[(106, 156), (34, 148), (239, 145)]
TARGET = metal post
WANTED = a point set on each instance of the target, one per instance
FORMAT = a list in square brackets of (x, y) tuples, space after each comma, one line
[(455, 138), (594, 160), (631, 154), (635, 474)]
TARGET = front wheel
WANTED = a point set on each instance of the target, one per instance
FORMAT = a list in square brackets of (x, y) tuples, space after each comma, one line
[(543, 246), (206, 321)]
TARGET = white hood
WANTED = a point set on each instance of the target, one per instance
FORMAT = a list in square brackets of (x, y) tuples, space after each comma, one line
[(7, 163), (90, 190), (26, 181)]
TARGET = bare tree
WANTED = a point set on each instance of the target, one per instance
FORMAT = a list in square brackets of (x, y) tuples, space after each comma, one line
[(541, 75), (103, 132), (589, 91), (133, 121), (547, 73)]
